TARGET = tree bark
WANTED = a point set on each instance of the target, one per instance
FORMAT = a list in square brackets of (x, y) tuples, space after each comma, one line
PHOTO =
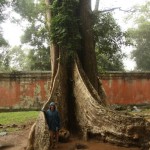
[(81, 99), (88, 56), (59, 79), (54, 50)]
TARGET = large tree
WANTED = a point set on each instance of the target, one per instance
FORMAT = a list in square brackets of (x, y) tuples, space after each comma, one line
[(75, 86)]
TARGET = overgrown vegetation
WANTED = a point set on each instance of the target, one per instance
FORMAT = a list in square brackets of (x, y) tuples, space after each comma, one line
[(64, 28)]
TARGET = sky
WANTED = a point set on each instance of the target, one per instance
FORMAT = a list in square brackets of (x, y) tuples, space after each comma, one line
[(13, 32)]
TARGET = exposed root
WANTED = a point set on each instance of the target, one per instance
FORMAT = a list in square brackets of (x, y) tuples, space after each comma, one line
[(4, 146), (39, 135), (30, 145), (108, 125), (102, 93), (85, 80), (64, 135)]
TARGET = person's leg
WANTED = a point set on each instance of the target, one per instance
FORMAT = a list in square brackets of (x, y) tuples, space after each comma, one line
[(51, 138), (56, 138)]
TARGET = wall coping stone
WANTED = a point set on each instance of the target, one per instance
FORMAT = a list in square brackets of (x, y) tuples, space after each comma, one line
[(124, 75), (47, 74), (22, 74)]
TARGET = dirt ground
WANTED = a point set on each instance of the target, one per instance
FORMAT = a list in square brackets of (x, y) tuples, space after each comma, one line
[(17, 141)]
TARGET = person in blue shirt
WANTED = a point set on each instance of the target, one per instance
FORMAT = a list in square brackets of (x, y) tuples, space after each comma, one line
[(53, 121)]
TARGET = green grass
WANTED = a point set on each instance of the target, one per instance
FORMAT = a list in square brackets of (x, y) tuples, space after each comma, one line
[(9, 118)]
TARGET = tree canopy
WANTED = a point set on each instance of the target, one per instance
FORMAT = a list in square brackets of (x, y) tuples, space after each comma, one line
[(3, 5), (35, 34), (4, 65), (109, 39), (108, 36), (140, 36)]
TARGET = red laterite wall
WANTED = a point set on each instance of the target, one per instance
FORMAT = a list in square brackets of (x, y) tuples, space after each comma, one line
[(24, 90), (127, 88), (31, 89)]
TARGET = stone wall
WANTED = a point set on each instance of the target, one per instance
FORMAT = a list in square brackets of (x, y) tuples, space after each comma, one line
[(127, 88), (23, 90)]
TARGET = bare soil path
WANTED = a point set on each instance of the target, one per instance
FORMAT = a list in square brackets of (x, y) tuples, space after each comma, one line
[(17, 141)]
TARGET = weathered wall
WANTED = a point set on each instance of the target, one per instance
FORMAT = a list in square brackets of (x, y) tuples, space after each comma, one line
[(23, 90), (31, 89), (127, 88)]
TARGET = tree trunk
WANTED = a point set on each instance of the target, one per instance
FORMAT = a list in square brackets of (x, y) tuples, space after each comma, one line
[(59, 79), (88, 58), (96, 5), (88, 55), (80, 97)]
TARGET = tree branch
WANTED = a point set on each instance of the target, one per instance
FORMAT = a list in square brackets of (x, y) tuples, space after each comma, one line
[(113, 9)]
